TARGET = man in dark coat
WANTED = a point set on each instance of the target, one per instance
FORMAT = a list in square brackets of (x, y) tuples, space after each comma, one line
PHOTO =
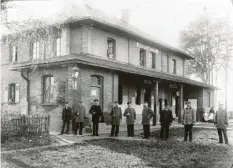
[(97, 114), (116, 115), (80, 113), (130, 115), (147, 114), (66, 117), (165, 121)]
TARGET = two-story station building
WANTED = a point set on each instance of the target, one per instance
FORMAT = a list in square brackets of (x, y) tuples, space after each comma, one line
[(94, 56)]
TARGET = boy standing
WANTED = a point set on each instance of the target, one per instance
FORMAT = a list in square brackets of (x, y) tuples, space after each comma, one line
[(130, 115), (116, 115)]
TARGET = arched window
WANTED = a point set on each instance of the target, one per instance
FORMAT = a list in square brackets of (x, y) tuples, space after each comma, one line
[(97, 88)]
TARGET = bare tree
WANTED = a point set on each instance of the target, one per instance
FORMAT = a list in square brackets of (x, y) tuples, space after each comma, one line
[(207, 41)]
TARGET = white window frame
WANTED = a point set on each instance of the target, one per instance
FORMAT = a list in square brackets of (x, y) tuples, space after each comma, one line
[(35, 50), (14, 53), (58, 46)]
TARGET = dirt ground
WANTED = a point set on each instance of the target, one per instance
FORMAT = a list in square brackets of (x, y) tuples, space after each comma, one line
[(122, 152)]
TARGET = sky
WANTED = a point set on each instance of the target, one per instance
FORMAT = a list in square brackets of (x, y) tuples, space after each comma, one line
[(164, 19)]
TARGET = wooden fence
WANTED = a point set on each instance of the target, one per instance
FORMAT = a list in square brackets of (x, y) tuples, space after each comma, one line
[(22, 125)]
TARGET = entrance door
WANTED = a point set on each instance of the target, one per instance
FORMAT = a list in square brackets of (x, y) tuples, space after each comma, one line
[(147, 96)]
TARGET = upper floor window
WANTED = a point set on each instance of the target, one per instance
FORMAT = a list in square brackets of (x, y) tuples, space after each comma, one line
[(153, 60), (142, 57), (14, 54), (57, 46), (174, 66), (48, 89), (111, 51), (35, 50)]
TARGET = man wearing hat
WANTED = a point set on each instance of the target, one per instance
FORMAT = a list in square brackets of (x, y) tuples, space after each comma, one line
[(165, 121), (188, 120), (130, 115), (97, 114), (221, 122), (147, 114), (66, 117), (80, 113), (116, 115)]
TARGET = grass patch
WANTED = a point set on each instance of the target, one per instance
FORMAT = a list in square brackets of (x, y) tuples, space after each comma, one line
[(125, 152), (14, 143)]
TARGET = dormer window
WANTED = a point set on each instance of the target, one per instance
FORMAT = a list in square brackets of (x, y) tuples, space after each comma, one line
[(111, 51)]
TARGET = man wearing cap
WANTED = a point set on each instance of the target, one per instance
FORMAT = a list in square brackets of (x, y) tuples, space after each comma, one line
[(147, 114), (221, 122), (80, 113), (66, 117), (165, 121), (97, 114), (130, 115), (188, 120), (116, 115)]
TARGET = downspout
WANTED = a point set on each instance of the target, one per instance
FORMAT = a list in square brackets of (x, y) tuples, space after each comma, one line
[(28, 88)]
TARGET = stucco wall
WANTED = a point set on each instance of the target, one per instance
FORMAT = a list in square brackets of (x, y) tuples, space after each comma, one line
[(98, 44)]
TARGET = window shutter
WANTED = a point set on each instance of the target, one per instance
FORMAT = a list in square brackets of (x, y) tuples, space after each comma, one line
[(10, 55), (37, 50), (30, 51), (16, 93), (5, 93)]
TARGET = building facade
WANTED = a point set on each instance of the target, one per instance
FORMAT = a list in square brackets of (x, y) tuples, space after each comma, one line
[(96, 58)]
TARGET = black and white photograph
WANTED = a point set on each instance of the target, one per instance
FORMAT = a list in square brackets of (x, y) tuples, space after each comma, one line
[(116, 83)]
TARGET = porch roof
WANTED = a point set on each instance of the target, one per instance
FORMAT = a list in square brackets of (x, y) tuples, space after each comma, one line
[(101, 62)]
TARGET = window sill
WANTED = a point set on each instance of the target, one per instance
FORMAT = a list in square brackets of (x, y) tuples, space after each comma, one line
[(48, 104)]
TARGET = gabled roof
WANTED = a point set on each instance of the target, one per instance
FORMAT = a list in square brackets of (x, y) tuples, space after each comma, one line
[(99, 18), (85, 14)]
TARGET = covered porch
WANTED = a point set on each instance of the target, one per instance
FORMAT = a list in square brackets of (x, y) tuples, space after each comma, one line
[(159, 92)]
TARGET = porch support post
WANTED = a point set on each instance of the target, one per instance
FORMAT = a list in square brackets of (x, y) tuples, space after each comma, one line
[(181, 97), (156, 94)]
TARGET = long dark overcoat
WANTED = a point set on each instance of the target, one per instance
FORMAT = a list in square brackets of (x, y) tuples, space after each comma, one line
[(96, 113), (66, 113), (166, 117)]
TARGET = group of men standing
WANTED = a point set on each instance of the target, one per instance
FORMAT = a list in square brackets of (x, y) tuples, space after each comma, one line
[(166, 119)]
